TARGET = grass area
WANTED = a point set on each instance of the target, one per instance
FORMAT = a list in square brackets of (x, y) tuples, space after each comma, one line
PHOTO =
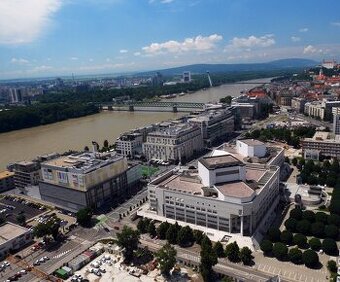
[(148, 170)]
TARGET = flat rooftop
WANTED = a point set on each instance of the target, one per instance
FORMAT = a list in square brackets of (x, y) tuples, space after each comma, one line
[(235, 189), (189, 183), (220, 161), (9, 231), (5, 174), (252, 142)]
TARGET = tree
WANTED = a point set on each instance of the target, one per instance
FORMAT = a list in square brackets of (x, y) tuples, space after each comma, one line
[(310, 258), (331, 231), (152, 229), (317, 229), (141, 226), (294, 161), (166, 258), (185, 236), (300, 240), (315, 244), (208, 260), (171, 234), (329, 246), (218, 249), (321, 217), (274, 234), (21, 219), (86, 149), (331, 266), (246, 255), (198, 235), (303, 226), (41, 230), (232, 252), (296, 213), (286, 237), (295, 255), (84, 216), (290, 224), (308, 215), (280, 251), (266, 246), (128, 239), (162, 229), (334, 219), (302, 162), (287, 160), (106, 144)]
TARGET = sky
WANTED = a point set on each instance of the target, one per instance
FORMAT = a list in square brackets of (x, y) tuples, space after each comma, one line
[(40, 38)]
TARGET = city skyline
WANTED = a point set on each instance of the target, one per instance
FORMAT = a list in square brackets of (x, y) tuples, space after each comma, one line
[(62, 37)]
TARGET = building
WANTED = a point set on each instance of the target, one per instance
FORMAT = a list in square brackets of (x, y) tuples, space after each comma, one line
[(12, 238), (130, 144), (6, 181), (321, 109), (173, 142), (88, 179), (244, 110), (225, 194), (321, 144), (186, 77), (214, 124), (298, 104), (336, 120), (328, 64)]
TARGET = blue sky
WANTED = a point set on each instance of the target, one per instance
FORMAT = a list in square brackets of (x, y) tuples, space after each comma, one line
[(61, 37)]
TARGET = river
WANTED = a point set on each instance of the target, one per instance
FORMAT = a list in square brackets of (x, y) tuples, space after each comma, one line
[(74, 134)]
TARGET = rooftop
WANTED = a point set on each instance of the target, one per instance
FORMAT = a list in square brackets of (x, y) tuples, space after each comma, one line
[(220, 161), (5, 174), (9, 231), (236, 189), (252, 142), (171, 129)]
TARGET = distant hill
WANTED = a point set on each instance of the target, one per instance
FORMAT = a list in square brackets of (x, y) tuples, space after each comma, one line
[(219, 68)]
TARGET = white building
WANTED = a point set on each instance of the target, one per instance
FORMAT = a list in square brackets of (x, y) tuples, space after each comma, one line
[(329, 64), (13, 237), (130, 144), (336, 121), (173, 142), (186, 77), (225, 194), (251, 148)]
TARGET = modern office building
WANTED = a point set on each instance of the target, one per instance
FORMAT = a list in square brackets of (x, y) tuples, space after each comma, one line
[(321, 109), (336, 120), (130, 144), (6, 180), (13, 237), (214, 124), (173, 141), (186, 77), (224, 193), (88, 179), (321, 144)]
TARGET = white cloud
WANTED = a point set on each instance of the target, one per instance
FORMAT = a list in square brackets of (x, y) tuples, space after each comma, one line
[(137, 54), (304, 29), (90, 60), (251, 42), (198, 43), (335, 23), (295, 38), (23, 21), (161, 1), (42, 68), (74, 58), (19, 61), (123, 51), (310, 49)]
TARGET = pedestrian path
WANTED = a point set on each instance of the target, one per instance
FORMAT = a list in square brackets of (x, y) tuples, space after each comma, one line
[(61, 254)]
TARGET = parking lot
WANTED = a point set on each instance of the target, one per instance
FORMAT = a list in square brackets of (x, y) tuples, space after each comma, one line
[(15, 206)]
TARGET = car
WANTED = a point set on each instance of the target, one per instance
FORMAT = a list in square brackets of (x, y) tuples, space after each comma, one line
[(103, 270), (37, 262), (6, 263), (42, 260), (46, 258)]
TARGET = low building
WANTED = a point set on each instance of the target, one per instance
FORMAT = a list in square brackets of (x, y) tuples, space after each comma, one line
[(6, 181), (130, 144), (88, 179), (225, 194), (173, 142), (298, 104), (12, 238), (321, 109), (26, 173), (321, 144), (214, 124), (244, 110)]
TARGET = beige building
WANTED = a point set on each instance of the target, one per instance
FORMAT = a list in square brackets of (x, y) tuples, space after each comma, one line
[(298, 104), (173, 141), (130, 144), (6, 180), (26, 173)]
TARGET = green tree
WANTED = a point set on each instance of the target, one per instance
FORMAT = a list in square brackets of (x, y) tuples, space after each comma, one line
[(208, 260), (308, 215), (280, 251), (317, 229), (331, 266), (106, 144), (321, 217), (274, 234), (334, 219), (266, 247), (84, 216), (303, 226), (86, 149), (310, 258), (287, 160), (152, 229), (21, 219), (218, 249), (331, 231), (329, 246), (290, 224), (232, 252), (41, 230), (302, 162), (246, 255), (198, 235), (171, 234), (166, 258), (128, 239), (294, 161), (315, 244), (295, 255), (296, 213), (185, 236), (162, 229), (286, 237), (141, 226), (300, 240)]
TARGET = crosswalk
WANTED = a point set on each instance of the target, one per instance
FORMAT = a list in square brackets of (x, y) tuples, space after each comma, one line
[(61, 254)]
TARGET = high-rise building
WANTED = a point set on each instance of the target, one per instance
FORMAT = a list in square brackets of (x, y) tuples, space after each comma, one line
[(186, 77), (336, 120)]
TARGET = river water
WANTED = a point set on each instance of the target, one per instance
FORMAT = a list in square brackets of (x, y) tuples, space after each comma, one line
[(26, 144)]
